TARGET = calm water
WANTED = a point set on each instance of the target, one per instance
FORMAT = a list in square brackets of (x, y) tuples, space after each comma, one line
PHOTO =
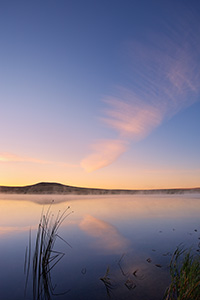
[(131, 237)]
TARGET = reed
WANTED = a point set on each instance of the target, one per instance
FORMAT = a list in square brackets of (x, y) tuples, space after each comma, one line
[(185, 276), (107, 282), (45, 258)]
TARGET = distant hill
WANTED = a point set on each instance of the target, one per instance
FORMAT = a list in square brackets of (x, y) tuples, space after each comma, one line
[(57, 188)]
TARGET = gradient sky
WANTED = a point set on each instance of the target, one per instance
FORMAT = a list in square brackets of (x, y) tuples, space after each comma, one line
[(100, 93)]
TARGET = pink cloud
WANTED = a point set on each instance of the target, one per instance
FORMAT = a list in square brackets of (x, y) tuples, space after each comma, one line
[(11, 157), (132, 119), (164, 79), (104, 152), (7, 157), (165, 69)]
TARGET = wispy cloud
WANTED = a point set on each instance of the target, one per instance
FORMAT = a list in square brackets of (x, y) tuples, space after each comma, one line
[(11, 157), (131, 118), (104, 153), (164, 72), (7, 157), (106, 236)]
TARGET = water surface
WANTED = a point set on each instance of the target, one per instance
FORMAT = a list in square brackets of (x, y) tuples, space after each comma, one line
[(131, 237)]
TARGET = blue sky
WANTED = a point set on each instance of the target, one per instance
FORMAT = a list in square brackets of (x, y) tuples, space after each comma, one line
[(100, 93)]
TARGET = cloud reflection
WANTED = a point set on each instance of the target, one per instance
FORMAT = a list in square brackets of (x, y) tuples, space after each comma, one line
[(106, 236), (10, 229)]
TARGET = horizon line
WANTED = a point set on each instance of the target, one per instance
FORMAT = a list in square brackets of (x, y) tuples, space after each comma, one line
[(97, 188)]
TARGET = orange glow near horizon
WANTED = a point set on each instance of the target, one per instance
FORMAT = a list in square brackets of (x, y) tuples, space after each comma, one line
[(112, 179)]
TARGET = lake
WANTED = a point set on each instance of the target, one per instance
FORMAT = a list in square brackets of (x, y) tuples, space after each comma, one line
[(116, 246)]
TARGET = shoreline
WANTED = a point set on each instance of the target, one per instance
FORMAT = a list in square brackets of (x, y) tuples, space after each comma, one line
[(47, 188)]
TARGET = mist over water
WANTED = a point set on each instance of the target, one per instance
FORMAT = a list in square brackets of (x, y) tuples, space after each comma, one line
[(128, 237)]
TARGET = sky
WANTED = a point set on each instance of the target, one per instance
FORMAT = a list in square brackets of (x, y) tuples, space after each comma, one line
[(100, 93)]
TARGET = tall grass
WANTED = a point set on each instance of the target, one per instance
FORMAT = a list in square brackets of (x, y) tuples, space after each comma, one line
[(185, 276), (45, 257)]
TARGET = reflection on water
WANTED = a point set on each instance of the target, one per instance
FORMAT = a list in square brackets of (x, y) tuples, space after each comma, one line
[(126, 241), (106, 236)]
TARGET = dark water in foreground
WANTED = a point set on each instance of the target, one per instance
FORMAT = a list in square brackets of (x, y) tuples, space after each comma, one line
[(129, 239)]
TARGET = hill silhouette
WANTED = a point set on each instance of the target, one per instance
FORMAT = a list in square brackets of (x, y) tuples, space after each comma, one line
[(58, 188)]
